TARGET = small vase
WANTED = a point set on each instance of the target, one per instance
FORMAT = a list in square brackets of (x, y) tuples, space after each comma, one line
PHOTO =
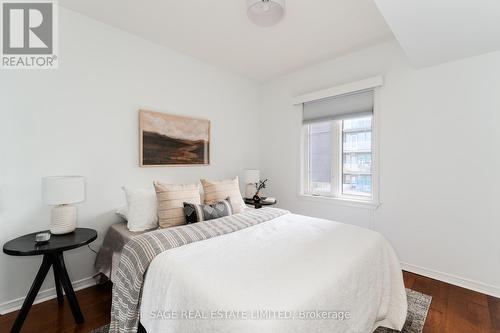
[(256, 201)]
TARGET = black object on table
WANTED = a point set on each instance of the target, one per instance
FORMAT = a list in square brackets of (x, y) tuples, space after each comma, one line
[(257, 205), (52, 256)]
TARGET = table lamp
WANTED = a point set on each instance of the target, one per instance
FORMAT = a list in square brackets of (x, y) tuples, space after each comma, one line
[(251, 178), (61, 192)]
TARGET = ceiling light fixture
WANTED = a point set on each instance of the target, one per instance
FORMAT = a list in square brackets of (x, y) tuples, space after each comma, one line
[(265, 12)]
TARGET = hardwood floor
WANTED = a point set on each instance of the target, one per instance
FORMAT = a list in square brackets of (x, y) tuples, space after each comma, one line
[(48, 317), (453, 310)]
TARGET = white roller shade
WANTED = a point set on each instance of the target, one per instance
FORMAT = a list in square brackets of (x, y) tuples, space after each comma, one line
[(339, 107)]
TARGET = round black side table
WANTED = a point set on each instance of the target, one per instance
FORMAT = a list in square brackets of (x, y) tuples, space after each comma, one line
[(52, 256), (250, 201)]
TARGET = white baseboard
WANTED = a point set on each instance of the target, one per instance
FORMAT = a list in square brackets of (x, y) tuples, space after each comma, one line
[(484, 288), (44, 295)]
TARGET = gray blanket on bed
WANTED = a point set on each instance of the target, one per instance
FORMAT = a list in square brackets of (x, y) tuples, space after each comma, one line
[(116, 237), (141, 250)]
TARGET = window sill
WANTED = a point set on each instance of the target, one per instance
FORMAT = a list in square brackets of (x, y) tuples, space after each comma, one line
[(363, 204)]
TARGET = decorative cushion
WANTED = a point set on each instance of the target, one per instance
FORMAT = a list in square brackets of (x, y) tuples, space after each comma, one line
[(197, 213), (141, 209), (219, 190), (171, 198), (123, 212)]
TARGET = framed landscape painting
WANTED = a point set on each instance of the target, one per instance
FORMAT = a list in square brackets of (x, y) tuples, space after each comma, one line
[(173, 140)]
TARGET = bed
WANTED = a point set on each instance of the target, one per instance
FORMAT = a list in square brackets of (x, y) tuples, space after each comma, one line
[(108, 256), (263, 270)]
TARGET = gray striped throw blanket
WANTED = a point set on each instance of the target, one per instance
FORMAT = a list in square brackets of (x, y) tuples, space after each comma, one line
[(141, 250)]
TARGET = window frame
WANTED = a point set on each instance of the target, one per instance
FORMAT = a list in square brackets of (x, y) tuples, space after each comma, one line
[(336, 195)]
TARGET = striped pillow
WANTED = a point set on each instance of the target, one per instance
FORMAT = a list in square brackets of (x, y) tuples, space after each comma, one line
[(219, 190), (171, 198), (204, 212)]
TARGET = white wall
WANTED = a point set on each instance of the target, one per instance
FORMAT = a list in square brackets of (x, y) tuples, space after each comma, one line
[(439, 185), (438, 161), (83, 119)]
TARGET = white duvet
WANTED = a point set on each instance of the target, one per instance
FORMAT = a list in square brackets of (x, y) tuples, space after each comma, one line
[(291, 274)]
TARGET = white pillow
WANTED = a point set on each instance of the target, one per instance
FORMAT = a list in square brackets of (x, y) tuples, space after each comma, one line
[(141, 209), (122, 212)]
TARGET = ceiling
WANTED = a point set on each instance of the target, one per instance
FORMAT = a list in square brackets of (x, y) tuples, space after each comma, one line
[(219, 32), (436, 31)]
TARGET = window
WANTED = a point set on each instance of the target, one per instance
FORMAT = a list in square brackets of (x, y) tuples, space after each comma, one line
[(338, 150), (320, 157), (357, 156)]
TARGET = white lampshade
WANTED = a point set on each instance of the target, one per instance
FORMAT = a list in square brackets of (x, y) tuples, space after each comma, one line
[(251, 176), (265, 12), (61, 190)]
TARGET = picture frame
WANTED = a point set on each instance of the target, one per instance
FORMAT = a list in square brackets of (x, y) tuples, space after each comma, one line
[(173, 140)]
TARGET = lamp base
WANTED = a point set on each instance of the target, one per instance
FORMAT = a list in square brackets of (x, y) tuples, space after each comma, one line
[(63, 220)]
